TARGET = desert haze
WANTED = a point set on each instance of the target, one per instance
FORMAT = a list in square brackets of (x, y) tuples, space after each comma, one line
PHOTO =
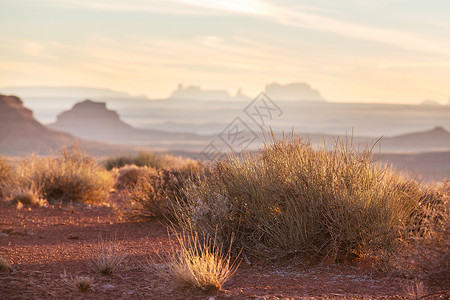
[(257, 149)]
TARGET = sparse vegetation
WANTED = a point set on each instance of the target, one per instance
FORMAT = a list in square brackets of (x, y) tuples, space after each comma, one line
[(198, 263), (145, 159), (157, 190), (4, 265), (5, 176), (415, 290), (71, 176), (82, 283), (106, 258), (291, 199), (28, 194), (426, 254)]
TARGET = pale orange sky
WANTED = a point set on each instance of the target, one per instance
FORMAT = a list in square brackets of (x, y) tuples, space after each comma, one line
[(352, 50)]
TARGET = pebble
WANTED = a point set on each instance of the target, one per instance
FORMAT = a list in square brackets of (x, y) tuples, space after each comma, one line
[(109, 286)]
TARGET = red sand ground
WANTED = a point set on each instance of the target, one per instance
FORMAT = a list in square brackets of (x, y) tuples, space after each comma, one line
[(41, 243)]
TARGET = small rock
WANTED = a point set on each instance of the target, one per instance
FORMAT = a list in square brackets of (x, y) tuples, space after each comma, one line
[(109, 286), (3, 234), (72, 237), (7, 231)]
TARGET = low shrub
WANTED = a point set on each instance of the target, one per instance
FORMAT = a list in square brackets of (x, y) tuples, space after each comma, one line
[(6, 175), (156, 191), (291, 199), (426, 254), (129, 175), (145, 159), (4, 265), (28, 194), (71, 176)]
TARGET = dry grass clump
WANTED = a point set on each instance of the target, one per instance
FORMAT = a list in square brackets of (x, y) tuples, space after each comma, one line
[(291, 199), (27, 194), (156, 190), (129, 175), (106, 257), (71, 176), (5, 176), (4, 265), (82, 283), (416, 290), (426, 254), (198, 263), (145, 159)]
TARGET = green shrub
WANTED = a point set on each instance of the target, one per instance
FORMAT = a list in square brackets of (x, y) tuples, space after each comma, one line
[(69, 176), (291, 199), (145, 159)]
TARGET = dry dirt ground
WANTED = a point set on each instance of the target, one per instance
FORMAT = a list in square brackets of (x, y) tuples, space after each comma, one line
[(42, 243)]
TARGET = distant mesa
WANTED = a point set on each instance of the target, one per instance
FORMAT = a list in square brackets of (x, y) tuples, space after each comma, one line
[(92, 120), (429, 102), (293, 92), (436, 139), (193, 92), (20, 133)]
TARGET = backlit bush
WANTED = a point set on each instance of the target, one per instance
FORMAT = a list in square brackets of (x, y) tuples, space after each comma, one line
[(291, 199), (69, 176), (156, 191), (145, 159)]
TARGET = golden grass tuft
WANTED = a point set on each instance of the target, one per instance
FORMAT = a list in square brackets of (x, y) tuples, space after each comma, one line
[(5, 177), (106, 257), (81, 283), (28, 195), (198, 263), (4, 265)]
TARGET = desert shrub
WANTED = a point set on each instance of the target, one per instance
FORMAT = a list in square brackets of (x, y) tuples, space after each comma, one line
[(198, 263), (426, 254), (69, 176), (156, 190), (145, 159), (292, 199), (6, 175), (4, 264), (26, 193), (129, 175)]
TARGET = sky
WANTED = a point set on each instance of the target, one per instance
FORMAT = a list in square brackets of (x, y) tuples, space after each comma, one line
[(390, 51)]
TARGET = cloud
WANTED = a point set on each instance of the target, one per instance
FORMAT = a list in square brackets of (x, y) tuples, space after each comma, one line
[(295, 15)]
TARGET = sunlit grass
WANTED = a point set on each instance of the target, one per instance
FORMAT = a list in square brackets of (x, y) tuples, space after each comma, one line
[(198, 263), (290, 199)]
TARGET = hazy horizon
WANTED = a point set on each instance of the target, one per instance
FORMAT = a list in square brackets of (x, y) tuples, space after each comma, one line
[(351, 51)]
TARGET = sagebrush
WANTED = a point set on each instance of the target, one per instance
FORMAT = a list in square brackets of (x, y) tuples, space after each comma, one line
[(145, 159), (155, 191), (290, 199), (70, 176)]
